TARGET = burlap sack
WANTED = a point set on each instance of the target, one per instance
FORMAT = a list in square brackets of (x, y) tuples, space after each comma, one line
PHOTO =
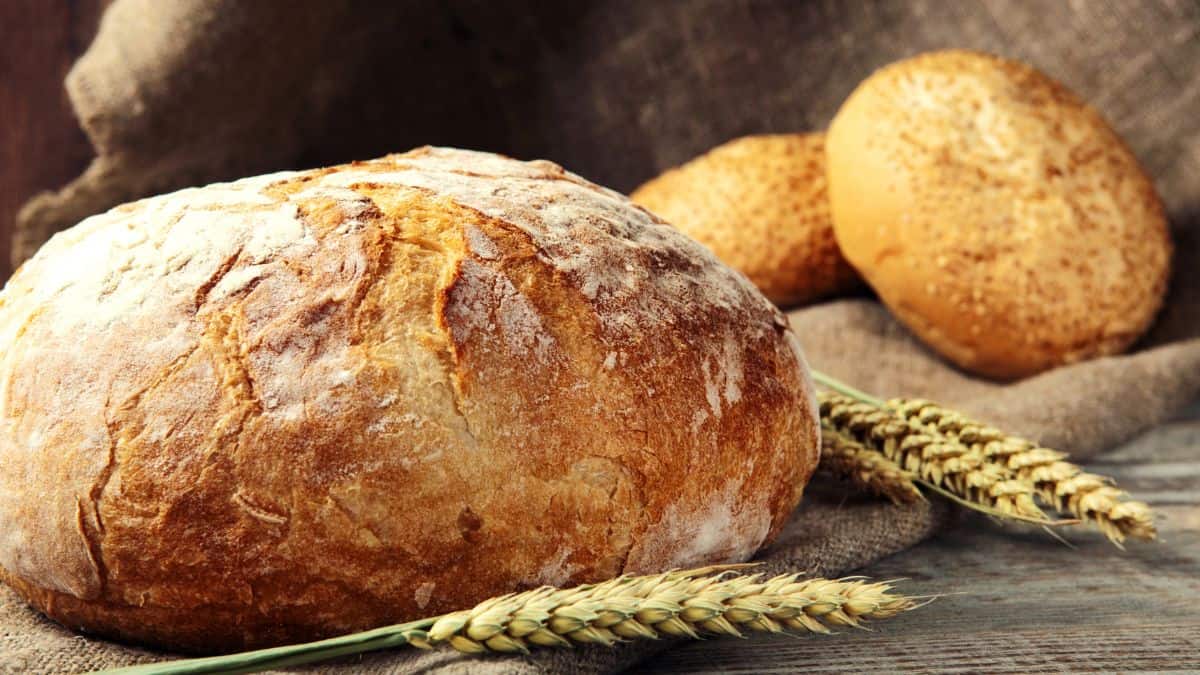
[(191, 91)]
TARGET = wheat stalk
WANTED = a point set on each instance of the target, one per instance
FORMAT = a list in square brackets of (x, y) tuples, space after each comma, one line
[(693, 603), (867, 469), (943, 462), (1059, 483)]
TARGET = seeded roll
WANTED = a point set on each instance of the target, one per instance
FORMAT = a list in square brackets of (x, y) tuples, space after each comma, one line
[(997, 215)]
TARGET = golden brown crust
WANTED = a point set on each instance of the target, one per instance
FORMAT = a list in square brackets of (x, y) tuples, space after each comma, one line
[(997, 215), (309, 403), (760, 204)]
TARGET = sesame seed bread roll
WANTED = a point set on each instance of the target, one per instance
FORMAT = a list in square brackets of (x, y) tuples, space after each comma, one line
[(308, 403), (996, 214), (760, 204)]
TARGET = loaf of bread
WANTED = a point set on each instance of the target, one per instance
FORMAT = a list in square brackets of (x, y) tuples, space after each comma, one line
[(760, 204), (996, 214), (308, 403)]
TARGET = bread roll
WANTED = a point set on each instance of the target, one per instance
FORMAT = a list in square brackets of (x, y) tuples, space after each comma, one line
[(998, 216), (760, 204), (309, 403)]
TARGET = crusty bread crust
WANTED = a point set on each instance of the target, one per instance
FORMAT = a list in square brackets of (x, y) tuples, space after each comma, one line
[(309, 403), (996, 214), (760, 204)]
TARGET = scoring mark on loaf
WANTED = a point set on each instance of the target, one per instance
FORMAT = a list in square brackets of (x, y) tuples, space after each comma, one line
[(484, 299), (258, 512)]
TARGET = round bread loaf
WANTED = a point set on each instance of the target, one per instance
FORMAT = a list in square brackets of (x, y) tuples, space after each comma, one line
[(998, 216), (760, 204), (309, 403)]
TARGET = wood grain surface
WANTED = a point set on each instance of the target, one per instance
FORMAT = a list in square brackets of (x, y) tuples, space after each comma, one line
[(1020, 601)]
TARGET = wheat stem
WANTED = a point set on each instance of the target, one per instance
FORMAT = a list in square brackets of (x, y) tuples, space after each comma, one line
[(845, 389)]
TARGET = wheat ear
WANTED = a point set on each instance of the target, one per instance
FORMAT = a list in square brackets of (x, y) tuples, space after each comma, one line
[(869, 470), (941, 461), (663, 605), (706, 601), (1059, 483)]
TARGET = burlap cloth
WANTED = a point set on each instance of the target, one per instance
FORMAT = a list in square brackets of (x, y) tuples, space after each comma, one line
[(190, 91)]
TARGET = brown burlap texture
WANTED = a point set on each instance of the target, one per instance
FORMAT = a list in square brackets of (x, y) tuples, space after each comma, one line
[(191, 91)]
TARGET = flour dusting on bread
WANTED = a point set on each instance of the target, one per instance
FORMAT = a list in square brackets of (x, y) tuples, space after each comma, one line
[(590, 233)]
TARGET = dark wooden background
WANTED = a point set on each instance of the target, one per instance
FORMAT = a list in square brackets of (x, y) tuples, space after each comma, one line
[(41, 145)]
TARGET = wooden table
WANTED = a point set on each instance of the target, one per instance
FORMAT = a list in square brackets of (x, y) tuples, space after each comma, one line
[(1021, 601)]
